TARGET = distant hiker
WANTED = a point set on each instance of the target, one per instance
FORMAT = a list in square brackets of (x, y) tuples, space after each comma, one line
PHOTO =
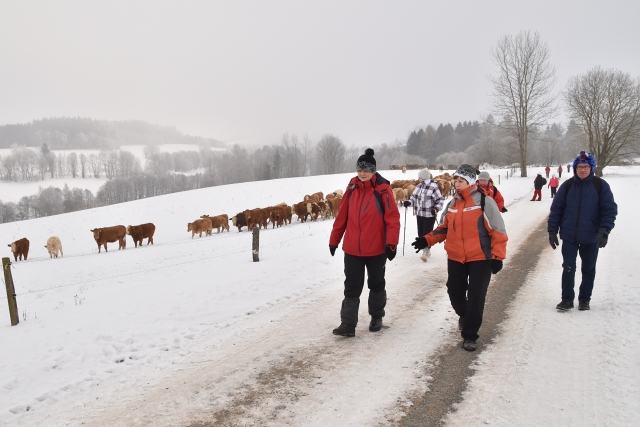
[(538, 183), (554, 182), (485, 183), (476, 243), (547, 170), (584, 211), (559, 171), (569, 168), (370, 222), (427, 202)]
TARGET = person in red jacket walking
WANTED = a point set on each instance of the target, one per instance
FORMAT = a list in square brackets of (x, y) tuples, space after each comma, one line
[(369, 219), (547, 170), (485, 184), (554, 182), (559, 171)]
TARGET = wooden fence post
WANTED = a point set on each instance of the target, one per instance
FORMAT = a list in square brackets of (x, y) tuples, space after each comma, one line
[(11, 292), (255, 249)]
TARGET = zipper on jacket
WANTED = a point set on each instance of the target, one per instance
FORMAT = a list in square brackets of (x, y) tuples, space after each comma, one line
[(575, 236)]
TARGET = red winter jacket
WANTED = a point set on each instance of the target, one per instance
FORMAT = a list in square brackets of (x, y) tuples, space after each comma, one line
[(491, 191), (368, 224), (554, 182)]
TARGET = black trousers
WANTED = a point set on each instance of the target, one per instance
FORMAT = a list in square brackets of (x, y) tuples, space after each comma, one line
[(354, 269), (553, 191), (467, 286), (425, 225)]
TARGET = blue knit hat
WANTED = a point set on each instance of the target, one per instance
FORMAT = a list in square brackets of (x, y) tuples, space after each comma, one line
[(585, 158)]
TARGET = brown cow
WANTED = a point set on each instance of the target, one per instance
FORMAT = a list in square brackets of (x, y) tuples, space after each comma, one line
[(239, 221), (140, 232), (334, 204), (110, 234), (256, 217), (20, 249), (218, 222), (199, 226), (300, 209)]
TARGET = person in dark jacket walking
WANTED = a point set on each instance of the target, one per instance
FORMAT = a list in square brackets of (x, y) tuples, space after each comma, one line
[(476, 243), (427, 202), (568, 168), (370, 222), (585, 212), (538, 183)]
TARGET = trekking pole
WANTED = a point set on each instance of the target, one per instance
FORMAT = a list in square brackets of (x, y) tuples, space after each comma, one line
[(404, 235)]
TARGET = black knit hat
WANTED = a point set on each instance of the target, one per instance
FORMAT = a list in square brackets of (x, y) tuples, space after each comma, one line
[(366, 162), (467, 172)]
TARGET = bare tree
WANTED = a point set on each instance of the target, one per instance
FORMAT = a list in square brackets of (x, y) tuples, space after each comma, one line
[(330, 154), (83, 164), (94, 165), (606, 105), (307, 147), (72, 164), (523, 87)]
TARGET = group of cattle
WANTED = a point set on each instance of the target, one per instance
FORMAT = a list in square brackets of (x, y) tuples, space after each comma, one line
[(403, 188), (312, 206), (102, 236)]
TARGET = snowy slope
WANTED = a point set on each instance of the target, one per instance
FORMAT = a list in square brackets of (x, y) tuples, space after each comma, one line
[(102, 320)]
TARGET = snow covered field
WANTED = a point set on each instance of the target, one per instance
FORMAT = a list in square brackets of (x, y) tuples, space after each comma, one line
[(106, 327)]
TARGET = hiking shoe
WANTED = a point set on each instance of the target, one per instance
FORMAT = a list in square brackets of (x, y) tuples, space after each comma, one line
[(469, 345), (423, 258), (565, 305), (345, 330), (460, 323), (583, 305), (376, 324)]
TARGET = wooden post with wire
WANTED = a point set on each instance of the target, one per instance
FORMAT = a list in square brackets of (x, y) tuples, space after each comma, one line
[(11, 292), (255, 248)]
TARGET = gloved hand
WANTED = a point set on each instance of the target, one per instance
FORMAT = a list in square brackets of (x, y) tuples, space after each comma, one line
[(420, 244), (332, 249), (496, 265), (391, 252), (504, 210), (603, 237), (553, 239), (406, 203), (434, 213)]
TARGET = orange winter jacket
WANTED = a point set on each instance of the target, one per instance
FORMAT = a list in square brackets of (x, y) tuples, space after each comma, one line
[(471, 234)]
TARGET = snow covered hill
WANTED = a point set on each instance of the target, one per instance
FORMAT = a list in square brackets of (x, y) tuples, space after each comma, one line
[(106, 325)]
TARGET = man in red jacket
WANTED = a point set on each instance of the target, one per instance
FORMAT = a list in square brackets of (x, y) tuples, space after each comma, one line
[(370, 222)]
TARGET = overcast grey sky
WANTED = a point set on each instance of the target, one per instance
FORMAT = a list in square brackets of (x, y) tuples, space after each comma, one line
[(367, 71)]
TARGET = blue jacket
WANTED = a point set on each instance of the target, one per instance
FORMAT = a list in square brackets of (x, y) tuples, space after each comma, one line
[(581, 212)]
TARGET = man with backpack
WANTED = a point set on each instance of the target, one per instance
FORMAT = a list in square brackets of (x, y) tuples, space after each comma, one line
[(538, 183), (584, 211)]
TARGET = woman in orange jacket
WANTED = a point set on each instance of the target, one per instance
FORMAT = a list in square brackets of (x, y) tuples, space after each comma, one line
[(476, 243), (370, 222)]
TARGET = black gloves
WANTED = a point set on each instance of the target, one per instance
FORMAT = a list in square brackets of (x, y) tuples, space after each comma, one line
[(391, 252), (504, 210), (553, 239), (406, 203), (496, 265), (332, 249), (603, 237), (420, 244)]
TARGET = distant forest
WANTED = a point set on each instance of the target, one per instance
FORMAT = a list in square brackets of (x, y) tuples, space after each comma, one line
[(65, 133), (488, 142)]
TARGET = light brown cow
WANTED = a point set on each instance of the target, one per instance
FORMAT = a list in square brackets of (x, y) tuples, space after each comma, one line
[(300, 209), (218, 222), (20, 249), (399, 195), (200, 226), (106, 235), (334, 204), (54, 246), (140, 232)]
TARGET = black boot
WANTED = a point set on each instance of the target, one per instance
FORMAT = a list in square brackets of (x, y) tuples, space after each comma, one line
[(345, 330), (583, 305), (565, 305), (469, 345), (376, 324)]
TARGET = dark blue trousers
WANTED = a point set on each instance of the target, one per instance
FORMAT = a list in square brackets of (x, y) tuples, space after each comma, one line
[(589, 256)]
